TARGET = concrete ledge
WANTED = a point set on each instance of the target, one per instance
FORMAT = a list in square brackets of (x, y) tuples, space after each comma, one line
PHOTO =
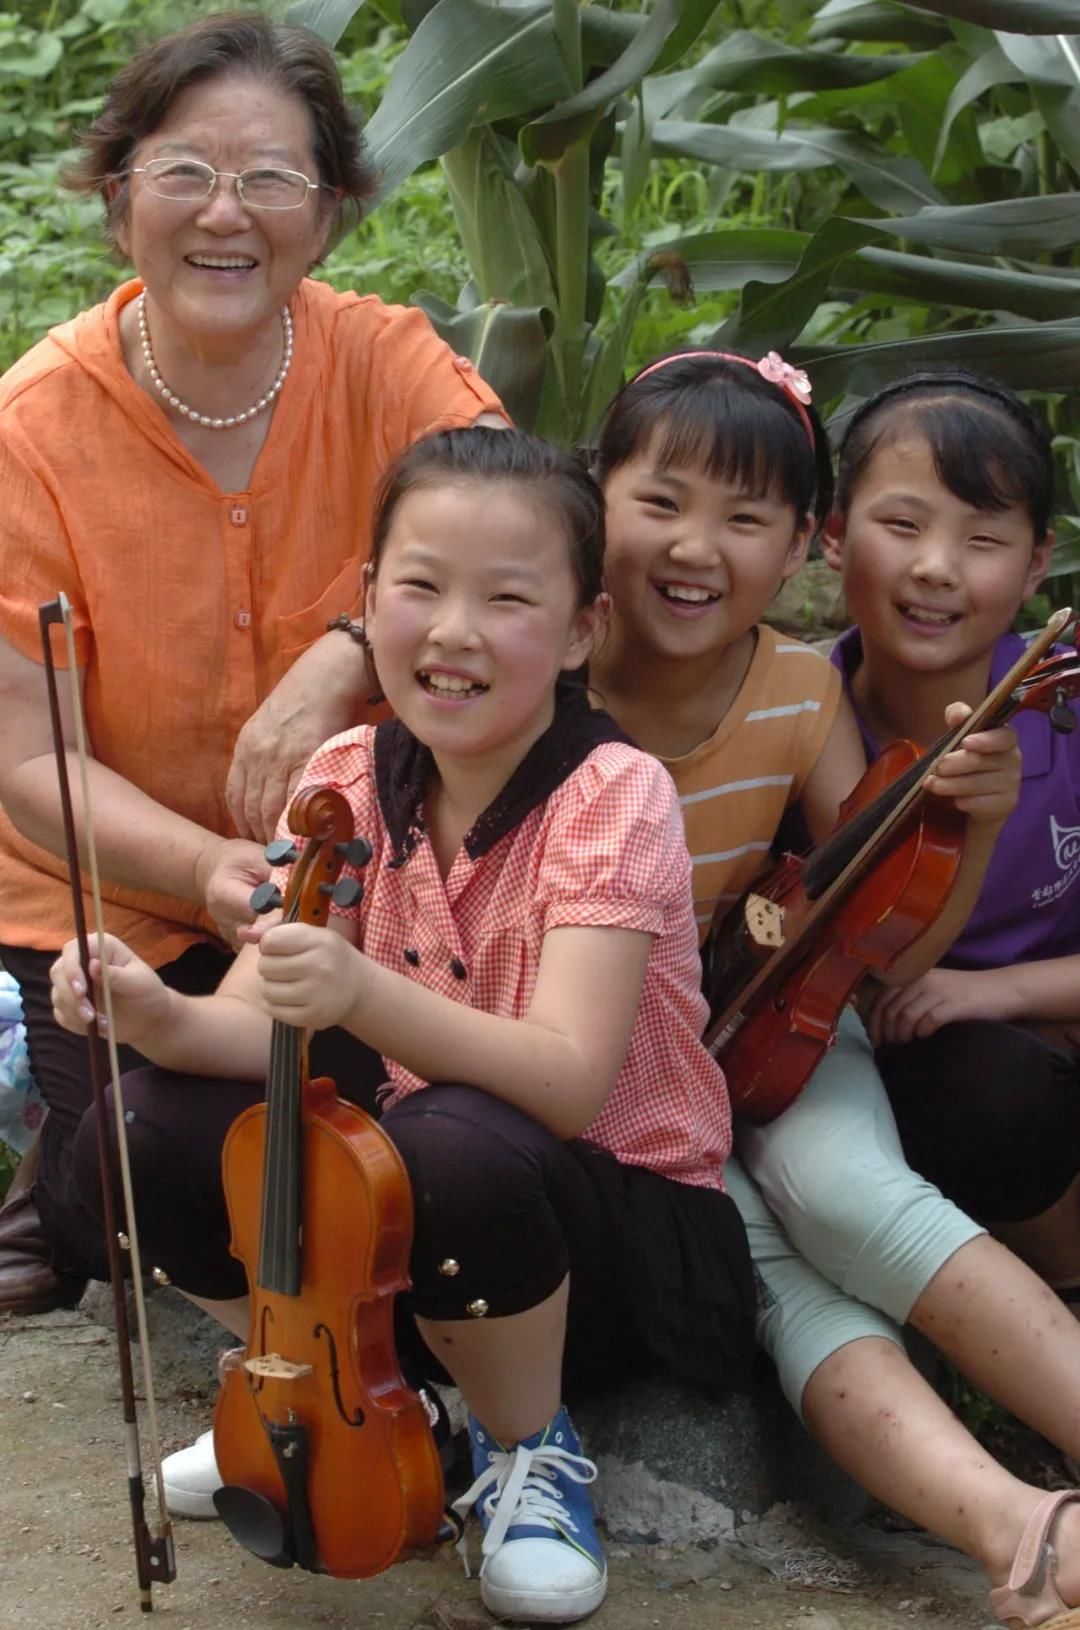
[(676, 1466)]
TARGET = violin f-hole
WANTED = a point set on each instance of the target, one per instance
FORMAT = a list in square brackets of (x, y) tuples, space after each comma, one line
[(358, 1418)]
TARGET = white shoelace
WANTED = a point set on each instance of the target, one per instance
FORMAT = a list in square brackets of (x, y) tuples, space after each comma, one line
[(518, 1484)]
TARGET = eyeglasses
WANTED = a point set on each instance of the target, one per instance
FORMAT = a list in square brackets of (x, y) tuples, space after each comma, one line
[(187, 180)]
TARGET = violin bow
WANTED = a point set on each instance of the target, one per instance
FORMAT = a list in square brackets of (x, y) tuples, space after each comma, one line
[(154, 1554)]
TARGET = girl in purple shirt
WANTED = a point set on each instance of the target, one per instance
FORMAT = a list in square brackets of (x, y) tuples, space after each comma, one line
[(942, 531)]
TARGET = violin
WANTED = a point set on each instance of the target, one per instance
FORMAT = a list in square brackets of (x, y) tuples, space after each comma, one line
[(781, 966), (327, 1456)]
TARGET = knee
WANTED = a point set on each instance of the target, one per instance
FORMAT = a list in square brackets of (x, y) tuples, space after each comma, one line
[(466, 1153)]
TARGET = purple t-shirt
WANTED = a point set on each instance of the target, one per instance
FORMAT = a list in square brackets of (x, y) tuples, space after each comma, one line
[(1029, 907)]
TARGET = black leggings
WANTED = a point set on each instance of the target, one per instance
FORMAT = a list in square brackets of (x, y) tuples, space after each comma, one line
[(990, 1113), (61, 1068), (503, 1208)]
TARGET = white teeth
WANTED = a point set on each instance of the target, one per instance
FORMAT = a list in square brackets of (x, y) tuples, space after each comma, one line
[(683, 592), (222, 262), (448, 683), (920, 615)]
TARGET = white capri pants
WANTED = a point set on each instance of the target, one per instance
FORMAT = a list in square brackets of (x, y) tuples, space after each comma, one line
[(844, 1236)]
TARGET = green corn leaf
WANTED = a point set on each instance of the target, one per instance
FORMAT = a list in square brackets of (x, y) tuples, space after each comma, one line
[(1019, 16), (924, 281), (766, 67), (498, 231), (769, 255), (878, 21), (327, 18), (771, 315), (546, 139), (508, 346), (1061, 115), (1021, 226), (993, 68), (890, 183), (721, 260), (1041, 61), (1034, 356), (467, 60)]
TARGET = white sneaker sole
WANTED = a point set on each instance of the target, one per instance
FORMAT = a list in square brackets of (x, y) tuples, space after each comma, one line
[(180, 1502), (541, 1607)]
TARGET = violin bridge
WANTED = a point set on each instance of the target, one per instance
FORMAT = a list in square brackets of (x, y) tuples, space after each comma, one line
[(764, 922), (272, 1367)]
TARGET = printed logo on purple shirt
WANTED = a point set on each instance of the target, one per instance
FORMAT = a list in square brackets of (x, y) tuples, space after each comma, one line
[(1066, 842)]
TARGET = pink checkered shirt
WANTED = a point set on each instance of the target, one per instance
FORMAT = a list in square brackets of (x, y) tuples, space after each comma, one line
[(606, 850)]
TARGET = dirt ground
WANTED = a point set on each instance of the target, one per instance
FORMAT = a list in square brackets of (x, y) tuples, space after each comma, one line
[(65, 1552)]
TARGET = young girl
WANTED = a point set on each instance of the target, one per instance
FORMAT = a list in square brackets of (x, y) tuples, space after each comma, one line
[(942, 531), (714, 469), (526, 942)]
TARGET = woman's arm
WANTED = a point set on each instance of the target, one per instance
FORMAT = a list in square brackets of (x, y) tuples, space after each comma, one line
[(558, 1064), (140, 844)]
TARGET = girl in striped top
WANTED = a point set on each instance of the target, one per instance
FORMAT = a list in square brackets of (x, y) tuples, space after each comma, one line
[(716, 471)]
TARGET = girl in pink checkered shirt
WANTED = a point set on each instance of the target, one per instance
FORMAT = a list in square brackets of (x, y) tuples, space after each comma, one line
[(716, 470), (528, 945)]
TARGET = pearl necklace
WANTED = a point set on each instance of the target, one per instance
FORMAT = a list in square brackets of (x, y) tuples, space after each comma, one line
[(202, 418)]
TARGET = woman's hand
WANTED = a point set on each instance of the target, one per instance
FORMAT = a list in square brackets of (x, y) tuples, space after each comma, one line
[(318, 698), (225, 874), (309, 977), (140, 999), (982, 775), (942, 996)]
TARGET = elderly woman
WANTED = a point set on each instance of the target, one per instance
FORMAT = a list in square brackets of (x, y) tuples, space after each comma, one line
[(192, 464)]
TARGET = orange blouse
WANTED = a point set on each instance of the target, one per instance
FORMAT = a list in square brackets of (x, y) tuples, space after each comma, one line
[(190, 603)]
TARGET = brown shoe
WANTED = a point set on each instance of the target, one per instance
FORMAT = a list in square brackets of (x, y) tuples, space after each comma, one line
[(29, 1283)]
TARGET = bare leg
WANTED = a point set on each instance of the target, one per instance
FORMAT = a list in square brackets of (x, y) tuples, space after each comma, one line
[(873, 1412), (509, 1370), (1009, 1334)]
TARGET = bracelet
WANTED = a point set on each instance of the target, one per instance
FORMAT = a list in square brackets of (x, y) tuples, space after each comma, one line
[(354, 630), (357, 632)]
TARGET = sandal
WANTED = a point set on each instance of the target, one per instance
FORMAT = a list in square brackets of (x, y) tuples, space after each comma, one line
[(1031, 1596)]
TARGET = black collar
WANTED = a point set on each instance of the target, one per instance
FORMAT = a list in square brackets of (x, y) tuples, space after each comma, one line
[(404, 766)]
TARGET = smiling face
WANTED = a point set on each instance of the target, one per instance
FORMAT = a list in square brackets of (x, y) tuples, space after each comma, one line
[(931, 580), (214, 270), (472, 614), (692, 560)]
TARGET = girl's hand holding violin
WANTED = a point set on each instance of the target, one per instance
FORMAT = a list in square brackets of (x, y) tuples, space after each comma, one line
[(982, 777), (141, 1002), (309, 977)]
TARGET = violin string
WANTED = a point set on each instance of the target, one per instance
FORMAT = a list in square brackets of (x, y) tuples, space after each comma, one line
[(114, 1069)]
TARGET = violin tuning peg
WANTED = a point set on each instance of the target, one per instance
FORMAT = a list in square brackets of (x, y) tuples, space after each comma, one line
[(349, 891), (1062, 718), (282, 852), (267, 897), (357, 851)]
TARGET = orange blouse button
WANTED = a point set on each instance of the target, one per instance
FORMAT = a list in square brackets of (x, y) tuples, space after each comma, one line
[(463, 365), (238, 515), (242, 619)]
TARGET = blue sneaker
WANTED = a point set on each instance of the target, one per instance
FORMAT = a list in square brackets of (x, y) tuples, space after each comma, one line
[(542, 1558)]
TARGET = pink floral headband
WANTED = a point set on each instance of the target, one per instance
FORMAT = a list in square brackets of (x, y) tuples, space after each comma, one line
[(791, 380)]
